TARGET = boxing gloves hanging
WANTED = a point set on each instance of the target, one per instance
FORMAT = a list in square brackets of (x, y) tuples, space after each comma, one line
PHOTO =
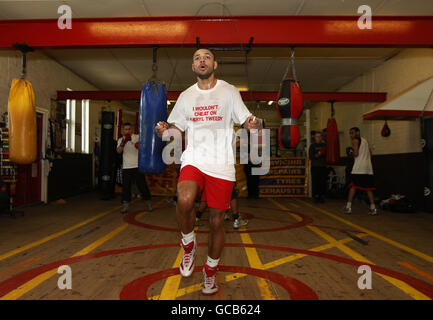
[(289, 107)]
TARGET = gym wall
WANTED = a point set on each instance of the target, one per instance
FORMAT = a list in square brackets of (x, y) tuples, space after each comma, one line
[(47, 76), (397, 74), (400, 150)]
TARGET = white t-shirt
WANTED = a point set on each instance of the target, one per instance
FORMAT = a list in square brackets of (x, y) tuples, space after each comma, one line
[(207, 117), (362, 164), (130, 152)]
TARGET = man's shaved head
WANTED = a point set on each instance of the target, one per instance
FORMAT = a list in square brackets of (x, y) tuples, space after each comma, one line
[(204, 63), (204, 50)]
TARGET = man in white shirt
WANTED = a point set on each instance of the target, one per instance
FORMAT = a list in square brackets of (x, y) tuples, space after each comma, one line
[(127, 145), (206, 111), (362, 177)]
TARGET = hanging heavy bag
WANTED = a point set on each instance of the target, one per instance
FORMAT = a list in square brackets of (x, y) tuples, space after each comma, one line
[(332, 143), (386, 131), (153, 108), (108, 156), (22, 122), (289, 107)]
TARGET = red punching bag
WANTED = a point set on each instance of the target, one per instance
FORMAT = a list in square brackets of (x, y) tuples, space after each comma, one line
[(386, 131), (289, 107), (332, 141), (119, 124)]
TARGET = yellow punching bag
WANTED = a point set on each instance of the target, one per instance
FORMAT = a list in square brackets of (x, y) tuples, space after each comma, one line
[(22, 122)]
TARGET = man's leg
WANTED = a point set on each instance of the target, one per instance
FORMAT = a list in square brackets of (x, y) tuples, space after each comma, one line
[(187, 191), (126, 189), (234, 208), (370, 197), (250, 186), (322, 190), (215, 248), (372, 210), (201, 208), (255, 183), (315, 182), (218, 194), (144, 190), (238, 221), (217, 233), (348, 208)]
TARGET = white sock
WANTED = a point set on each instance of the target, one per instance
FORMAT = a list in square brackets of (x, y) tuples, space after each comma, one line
[(212, 262), (372, 206), (349, 205), (187, 238)]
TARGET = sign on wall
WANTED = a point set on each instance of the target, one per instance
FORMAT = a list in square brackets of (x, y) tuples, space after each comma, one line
[(287, 177)]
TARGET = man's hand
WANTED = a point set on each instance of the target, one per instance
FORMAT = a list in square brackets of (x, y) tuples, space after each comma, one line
[(252, 123), (321, 153), (161, 127), (125, 140)]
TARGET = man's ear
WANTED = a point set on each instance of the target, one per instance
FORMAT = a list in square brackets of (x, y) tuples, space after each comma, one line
[(215, 65), (192, 67)]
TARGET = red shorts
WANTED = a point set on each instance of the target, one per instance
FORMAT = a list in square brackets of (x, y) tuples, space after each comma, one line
[(216, 192)]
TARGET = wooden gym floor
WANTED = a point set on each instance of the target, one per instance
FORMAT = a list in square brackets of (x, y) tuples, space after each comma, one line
[(291, 249)]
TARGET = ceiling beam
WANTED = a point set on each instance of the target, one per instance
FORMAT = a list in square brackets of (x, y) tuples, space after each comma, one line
[(268, 31), (246, 96)]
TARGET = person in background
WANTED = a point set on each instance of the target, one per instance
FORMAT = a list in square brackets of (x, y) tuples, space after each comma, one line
[(362, 177), (317, 155), (238, 221), (127, 145)]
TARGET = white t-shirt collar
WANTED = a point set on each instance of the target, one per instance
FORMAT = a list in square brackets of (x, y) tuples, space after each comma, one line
[(207, 90)]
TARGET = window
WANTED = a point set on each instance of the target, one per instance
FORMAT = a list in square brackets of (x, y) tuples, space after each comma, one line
[(85, 124), (70, 125)]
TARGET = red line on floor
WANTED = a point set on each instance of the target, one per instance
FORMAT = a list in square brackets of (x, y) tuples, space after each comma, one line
[(130, 218), (18, 267), (416, 270), (19, 279), (137, 289)]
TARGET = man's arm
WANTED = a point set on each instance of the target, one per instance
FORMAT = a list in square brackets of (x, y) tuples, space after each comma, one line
[(120, 146), (163, 126), (355, 143), (251, 123), (311, 152)]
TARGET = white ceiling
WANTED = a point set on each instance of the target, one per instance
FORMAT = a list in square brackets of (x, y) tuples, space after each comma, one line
[(38, 9), (318, 69)]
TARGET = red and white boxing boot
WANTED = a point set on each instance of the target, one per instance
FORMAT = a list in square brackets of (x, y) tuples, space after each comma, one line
[(210, 285), (187, 264)]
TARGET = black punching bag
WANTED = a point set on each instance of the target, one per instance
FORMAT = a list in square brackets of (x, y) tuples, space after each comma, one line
[(427, 144), (107, 157)]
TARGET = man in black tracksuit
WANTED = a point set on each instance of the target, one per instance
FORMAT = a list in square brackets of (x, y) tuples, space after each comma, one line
[(317, 155)]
